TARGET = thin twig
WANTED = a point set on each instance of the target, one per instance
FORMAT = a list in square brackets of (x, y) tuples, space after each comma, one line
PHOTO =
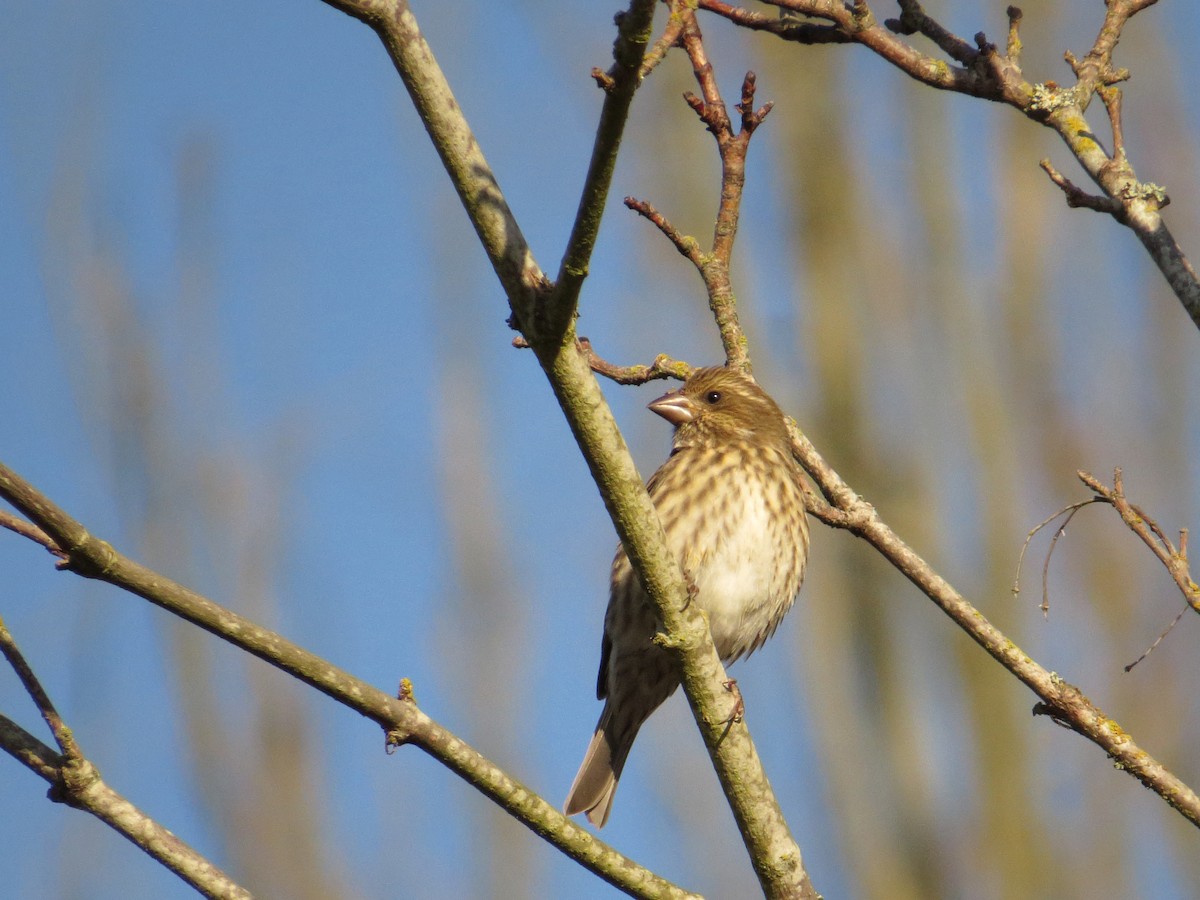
[(687, 245), (714, 265), (1175, 560), (1152, 535), (33, 687), (1077, 197), (1072, 509), (1058, 533), (25, 529), (663, 366), (1158, 640)]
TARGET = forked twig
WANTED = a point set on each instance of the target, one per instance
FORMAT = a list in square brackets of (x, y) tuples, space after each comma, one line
[(75, 781), (1069, 512), (1173, 558)]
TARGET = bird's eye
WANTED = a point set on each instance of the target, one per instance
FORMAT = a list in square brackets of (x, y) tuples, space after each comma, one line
[(712, 397)]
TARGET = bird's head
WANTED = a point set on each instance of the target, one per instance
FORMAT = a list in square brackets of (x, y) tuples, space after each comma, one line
[(719, 405)]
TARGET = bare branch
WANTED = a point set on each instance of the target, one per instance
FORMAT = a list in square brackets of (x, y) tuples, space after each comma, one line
[(1175, 560), (983, 71), (93, 558), (1158, 640), (841, 507), (1077, 196), (714, 265), (75, 782), (662, 367)]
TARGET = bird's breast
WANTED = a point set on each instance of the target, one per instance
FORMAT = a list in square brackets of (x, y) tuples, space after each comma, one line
[(743, 543)]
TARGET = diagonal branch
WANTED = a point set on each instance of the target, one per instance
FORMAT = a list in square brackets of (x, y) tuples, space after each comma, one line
[(461, 155), (75, 781), (403, 721)]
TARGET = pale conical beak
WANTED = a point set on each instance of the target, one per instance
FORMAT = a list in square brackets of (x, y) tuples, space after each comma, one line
[(675, 407)]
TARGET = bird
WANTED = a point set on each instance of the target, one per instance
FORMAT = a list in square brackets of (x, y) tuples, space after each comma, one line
[(731, 500)]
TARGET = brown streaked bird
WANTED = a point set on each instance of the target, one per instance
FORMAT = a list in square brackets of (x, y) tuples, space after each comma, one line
[(731, 500)]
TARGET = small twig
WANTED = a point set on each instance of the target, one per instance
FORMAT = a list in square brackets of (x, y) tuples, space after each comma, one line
[(914, 20), (686, 244), (1058, 533), (33, 687), (1158, 640), (1013, 50), (663, 367), (670, 38), (1149, 531), (1112, 105), (31, 531), (1069, 512), (712, 110), (1079, 198), (714, 267), (603, 80), (751, 118)]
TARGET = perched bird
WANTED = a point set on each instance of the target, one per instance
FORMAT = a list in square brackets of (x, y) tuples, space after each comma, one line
[(731, 500)]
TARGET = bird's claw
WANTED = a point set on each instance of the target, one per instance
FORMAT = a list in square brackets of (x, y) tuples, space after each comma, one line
[(739, 705)]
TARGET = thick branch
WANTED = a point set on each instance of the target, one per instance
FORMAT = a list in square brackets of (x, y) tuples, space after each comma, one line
[(539, 314)]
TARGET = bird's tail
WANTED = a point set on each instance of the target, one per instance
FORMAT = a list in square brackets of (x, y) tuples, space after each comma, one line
[(596, 783)]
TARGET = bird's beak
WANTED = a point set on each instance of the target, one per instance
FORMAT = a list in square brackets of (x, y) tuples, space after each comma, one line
[(675, 407)]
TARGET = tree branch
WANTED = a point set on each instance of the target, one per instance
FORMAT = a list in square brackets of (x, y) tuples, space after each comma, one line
[(1173, 558), (461, 155), (545, 316), (75, 781), (983, 71), (400, 718), (1065, 703)]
